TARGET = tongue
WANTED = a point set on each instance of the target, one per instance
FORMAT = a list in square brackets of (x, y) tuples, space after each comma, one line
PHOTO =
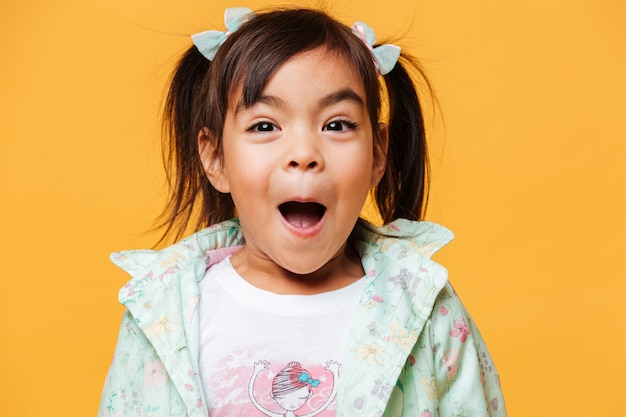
[(301, 220), (302, 214)]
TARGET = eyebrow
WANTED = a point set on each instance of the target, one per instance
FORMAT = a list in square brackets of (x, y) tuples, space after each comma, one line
[(346, 94)]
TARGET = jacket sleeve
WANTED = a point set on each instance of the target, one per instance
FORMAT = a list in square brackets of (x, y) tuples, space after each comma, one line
[(137, 383), (122, 393), (466, 379)]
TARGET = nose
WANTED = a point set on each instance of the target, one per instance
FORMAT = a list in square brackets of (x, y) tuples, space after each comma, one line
[(296, 164), (304, 153)]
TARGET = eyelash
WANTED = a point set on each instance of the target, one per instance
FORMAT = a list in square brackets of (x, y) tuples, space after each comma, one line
[(347, 123), (255, 126)]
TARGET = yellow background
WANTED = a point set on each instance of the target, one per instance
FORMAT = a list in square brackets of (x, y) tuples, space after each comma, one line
[(528, 171)]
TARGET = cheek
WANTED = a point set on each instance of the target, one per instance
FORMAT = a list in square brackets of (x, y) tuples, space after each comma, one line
[(355, 170), (244, 168)]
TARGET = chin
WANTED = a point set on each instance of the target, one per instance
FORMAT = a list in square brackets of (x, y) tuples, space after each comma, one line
[(302, 269)]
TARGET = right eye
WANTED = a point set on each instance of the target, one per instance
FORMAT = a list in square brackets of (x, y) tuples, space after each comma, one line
[(262, 127)]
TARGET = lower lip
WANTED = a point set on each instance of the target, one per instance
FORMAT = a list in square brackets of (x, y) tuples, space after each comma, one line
[(305, 232)]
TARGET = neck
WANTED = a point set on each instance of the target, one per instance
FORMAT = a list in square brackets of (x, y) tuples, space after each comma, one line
[(262, 272)]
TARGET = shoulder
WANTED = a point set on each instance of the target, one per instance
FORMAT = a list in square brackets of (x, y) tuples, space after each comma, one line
[(402, 237), (450, 326), (396, 258), (177, 266), (200, 244)]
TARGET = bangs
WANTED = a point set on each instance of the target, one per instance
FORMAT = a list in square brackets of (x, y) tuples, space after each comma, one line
[(268, 40)]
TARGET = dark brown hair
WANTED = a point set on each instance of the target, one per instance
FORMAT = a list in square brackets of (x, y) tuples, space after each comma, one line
[(200, 92)]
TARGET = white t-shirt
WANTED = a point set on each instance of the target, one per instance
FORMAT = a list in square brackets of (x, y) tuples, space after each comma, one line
[(264, 354)]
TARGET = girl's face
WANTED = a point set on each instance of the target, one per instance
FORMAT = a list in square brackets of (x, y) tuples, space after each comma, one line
[(294, 400), (299, 164)]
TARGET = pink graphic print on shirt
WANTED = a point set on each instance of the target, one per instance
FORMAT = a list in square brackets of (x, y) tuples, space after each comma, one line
[(275, 391), (292, 388)]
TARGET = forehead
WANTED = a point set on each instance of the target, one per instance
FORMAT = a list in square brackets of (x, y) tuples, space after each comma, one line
[(318, 72), (321, 61), (300, 392)]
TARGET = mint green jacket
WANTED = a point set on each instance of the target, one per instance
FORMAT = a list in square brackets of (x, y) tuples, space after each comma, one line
[(413, 349)]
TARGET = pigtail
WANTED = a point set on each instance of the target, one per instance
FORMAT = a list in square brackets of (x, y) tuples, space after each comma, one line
[(403, 190), (192, 200)]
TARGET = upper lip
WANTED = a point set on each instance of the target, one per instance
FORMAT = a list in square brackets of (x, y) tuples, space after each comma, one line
[(291, 202), (302, 200)]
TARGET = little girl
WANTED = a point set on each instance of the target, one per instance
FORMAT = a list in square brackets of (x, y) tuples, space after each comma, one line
[(285, 302)]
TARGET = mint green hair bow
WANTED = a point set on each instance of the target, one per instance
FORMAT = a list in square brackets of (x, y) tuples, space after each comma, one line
[(385, 56), (208, 42), (305, 378)]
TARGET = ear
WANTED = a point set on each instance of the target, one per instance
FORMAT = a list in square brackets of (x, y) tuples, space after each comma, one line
[(380, 154), (212, 161)]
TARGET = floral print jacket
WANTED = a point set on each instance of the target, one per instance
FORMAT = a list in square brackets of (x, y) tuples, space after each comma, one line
[(413, 349)]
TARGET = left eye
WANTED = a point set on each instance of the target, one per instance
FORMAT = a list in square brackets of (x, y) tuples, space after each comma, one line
[(339, 125)]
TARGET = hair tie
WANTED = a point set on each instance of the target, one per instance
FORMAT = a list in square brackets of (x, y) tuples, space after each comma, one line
[(208, 42), (305, 378), (385, 56)]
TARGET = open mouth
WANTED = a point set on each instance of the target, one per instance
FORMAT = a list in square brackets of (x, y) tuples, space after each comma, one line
[(302, 214)]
